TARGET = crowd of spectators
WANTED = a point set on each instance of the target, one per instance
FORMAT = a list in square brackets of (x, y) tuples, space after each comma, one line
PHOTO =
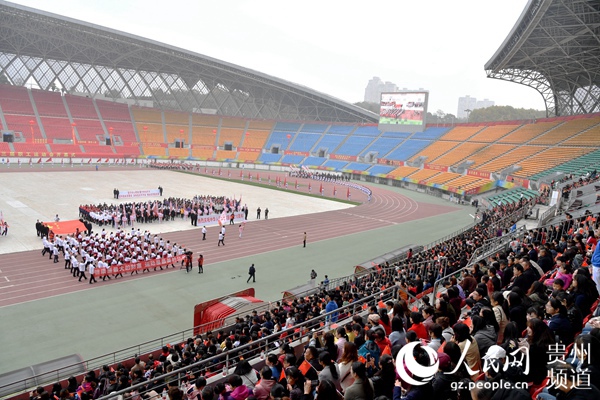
[(538, 294), (587, 179)]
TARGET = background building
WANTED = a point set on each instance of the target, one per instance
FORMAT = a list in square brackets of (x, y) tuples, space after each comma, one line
[(375, 87), (471, 103)]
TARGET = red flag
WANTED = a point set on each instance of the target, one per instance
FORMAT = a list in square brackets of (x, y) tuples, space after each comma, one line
[(219, 171), (49, 160), (39, 161), (296, 184), (304, 367), (348, 193), (285, 181), (387, 351), (89, 161), (241, 174), (321, 188), (99, 160), (309, 186), (106, 160)]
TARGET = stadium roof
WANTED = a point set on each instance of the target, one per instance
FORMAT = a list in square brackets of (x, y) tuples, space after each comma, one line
[(555, 48), (60, 52)]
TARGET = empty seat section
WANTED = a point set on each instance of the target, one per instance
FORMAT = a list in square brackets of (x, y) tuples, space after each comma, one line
[(382, 146), (548, 159), (122, 130), (255, 139), (87, 129), (15, 100), (202, 154), (459, 153), (492, 133), (4, 148), (279, 139), (259, 125), (353, 145), (57, 128), (488, 153), (49, 104), (247, 156), (31, 149), (149, 115), (151, 133), (81, 107), (443, 177), (292, 159), (511, 158), (587, 138), (204, 136), (154, 151), (341, 129), (314, 128), (435, 149), (431, 133), (406, 150), (230, 135), (329, 143), (355, 166), (112, 111), (304, 141), (67, 149), (565, 131), (402, 172), (223, 155), (461, 133), (366, 131), (22, 123), (335, 164), (423, 175), (578, 166), (179, 152), (467, 182), (287, 127), (527, 132), (177, 132), (130, 149), (269, 158), (177, 118), (97, 149), (314, 161), (380, 170)]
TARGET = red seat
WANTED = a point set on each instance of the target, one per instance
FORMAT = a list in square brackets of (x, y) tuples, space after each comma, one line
[(534, 390)]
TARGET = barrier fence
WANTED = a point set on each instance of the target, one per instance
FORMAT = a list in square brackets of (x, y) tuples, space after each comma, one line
[(138, 266)]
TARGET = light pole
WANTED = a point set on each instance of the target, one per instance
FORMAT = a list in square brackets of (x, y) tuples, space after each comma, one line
[(145, 135), (468, 111), (31, 123), (73, 132)]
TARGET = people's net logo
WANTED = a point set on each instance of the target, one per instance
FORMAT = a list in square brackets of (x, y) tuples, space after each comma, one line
[(417, 364)]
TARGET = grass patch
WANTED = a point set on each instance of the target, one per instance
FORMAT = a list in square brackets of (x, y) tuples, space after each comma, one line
[(266, 186)]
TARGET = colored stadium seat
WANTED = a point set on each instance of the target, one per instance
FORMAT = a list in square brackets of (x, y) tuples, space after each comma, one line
[(527, 132), (356, 166), (382, 146), (492, 133), (304, 141), (292, 159), (380, 170), (488, 153), (435, 149), (353, 145), (458, 154), (402, 172), (314, 161), (49, 104), (461, 133), (335, 164), (423, 175), (407, 149)]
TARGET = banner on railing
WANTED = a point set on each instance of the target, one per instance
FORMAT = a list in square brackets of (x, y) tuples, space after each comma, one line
[(214, 218), (139, 266), (127, 194)]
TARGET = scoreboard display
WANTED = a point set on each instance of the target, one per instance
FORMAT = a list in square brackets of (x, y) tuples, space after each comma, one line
[(405, 109)]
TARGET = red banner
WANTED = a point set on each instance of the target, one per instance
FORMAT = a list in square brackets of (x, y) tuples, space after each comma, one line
[(140, 266), (198, 146), (296, 153), (249, 150), (436, 167), (479, 174), (342, 157)]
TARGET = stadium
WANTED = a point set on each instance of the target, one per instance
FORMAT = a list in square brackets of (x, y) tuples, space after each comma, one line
[(385, 213)]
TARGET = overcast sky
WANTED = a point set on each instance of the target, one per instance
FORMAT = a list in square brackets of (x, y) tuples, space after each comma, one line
[(333, 46)]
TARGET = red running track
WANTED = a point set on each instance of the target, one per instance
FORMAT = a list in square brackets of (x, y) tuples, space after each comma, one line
[(27, 276)]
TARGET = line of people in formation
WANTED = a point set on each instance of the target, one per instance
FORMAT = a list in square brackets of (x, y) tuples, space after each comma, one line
[(163, 210), (104, 249)]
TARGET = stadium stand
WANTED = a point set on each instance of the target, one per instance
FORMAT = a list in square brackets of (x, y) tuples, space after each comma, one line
[(98, 149), (314, 128), (353, 145), (488, 153), (335, 164), (356, 166), (304, 141), (461, 133), (435, 149), (403, 172), (154, 151), (493, 133), (329, 142), (423, 174), (578, 166), (269, 158), (466, 182), (81, 107), (230, 135), (512, 196), (314, 161), (527, 132), (381, 146), (292, 159), (69, 150), (202, 154), (458, 154), (177, 118), (15, 100), (401, 135), (278, 138), (177, 132), (287, 126), (179, 152), (509, 159), (255, 139), (205, 136), (366, 131), (431, 133), (22, 123), (587, 137), (31, 149), (443, 178), (547, 159), (49, 104), (565, 131), (225, 155), (112, 111), (407, 149), (380, 170), (341, 129), (87, 129)]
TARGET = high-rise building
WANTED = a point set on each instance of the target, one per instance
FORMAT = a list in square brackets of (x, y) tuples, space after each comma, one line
[(467, 104), (375, 87)]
